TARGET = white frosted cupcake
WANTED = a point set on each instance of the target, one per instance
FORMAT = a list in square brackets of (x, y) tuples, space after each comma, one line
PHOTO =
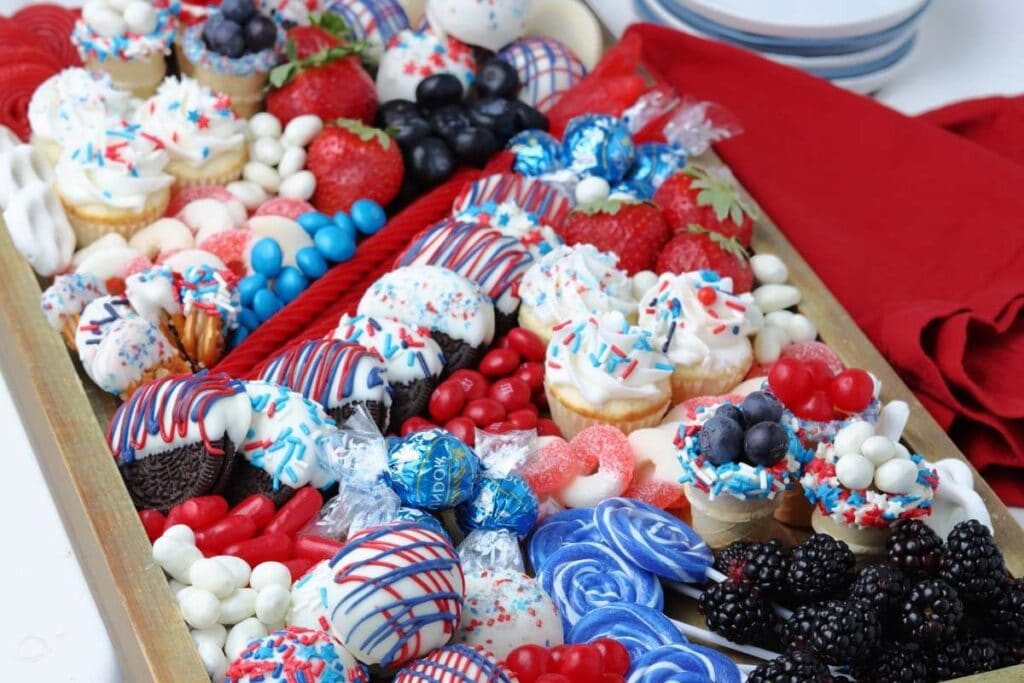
[(602, 370), (572, 282), (113, 181), (202, 135), (128, 40), (703, 328), (71, 103)]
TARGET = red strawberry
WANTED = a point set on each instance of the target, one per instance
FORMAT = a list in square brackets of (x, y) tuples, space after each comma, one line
[(698, 249), (352, 161), (322, 76), (636, 231), (695, 196)]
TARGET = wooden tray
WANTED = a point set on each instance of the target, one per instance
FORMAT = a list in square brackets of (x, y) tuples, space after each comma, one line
[(65, 417)]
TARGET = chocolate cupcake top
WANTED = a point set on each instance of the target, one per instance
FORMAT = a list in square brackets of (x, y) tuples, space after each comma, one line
[(179, 411)]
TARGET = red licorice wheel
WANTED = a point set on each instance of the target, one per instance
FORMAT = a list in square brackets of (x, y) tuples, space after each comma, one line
[(17, 83), (51, 25)]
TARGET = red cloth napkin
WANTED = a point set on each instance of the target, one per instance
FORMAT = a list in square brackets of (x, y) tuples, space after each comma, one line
[(916, 230)]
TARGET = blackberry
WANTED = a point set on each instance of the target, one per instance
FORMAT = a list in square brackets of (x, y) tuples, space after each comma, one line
[(762, 565), (914, 548), (959, 658), (972, 563), (931, 612), (895, 663), (845, 632), (880, 585), (737, 611), (1006, 617), (733, 555), (820, 567), (792, 667), (797, 630)]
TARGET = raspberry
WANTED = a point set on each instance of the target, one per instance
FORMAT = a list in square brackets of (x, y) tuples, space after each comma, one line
[(972, 564), (737, 611), (931, 612), (792, 667), (845, 632), (820, 567), (914, 548)]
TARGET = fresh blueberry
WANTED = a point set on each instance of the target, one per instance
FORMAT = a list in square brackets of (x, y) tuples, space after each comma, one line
[(211, 24), (227, 39), (475, 146), (238, 11), (760, 406), (721, 440), (410, 130), (496, 114), (732, 412), (497, 78), (431, 161), (438, 90), (260, 34), (393, 112), (765, 443), (449, 120), (528, 118)]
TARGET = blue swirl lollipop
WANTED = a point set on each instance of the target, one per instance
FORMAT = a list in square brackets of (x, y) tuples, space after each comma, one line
[(653, 539), (581, 577), (639, 628), (683, 663), (567, 526)]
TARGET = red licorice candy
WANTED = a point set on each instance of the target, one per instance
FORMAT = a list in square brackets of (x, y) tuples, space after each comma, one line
[(153, 522), (270, 547), (294, 514), (257, 506), (199, 513), (316, 548), (228, 531)]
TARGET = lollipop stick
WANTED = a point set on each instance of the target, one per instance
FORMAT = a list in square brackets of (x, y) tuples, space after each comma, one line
[(709, 638), (693, 592)]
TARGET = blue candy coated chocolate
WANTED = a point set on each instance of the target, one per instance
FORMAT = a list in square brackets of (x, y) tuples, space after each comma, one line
[(500, 503), (654, 162), (432, 470), (598, 144), (537, 153), (567, 526), (640, 629)]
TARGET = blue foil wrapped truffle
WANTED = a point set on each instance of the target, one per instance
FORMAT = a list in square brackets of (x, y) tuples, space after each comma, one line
[(537, 153), (598, 144), (654, 162), (500, 503), (432, 469)]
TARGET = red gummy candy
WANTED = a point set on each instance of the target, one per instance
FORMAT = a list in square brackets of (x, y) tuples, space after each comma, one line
[(284, 206), (153, 523), (50, 26), (257, 506), (604, 448), (294, 514), (230, 246), (316, 548), (660, 494), (228, 531), (814, 350), (185, 195)]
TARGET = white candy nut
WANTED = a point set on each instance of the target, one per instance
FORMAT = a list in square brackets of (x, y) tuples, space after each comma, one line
[(896, 476), (854, 471), (163, 235), (878, 449), (175, 558), (769, 269), (214, 576), (850, 438), (272, 603), (239, 568), (801, 329), (270, 574), (241, 635), (200, 608), (140, 17), (266, 150), (263, 175), (902, 452), (103, 19), (299, 185), (592, 189), (240, 605), (214, 660), (264, 125), (215, 634), (768, 344), (237, 210), (779, 318), (180, 532), (183, 594), (292, 161), (776, 297), (301, 130), (250, 194)]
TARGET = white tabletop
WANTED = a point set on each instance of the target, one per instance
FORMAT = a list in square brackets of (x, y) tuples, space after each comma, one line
[(52, 631)]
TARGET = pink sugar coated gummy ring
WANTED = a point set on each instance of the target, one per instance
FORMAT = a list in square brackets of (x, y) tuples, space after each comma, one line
[(229, 245), (185, 195), (814, 350), (660, 494), (551, 468), (284, 206), (614, 467)]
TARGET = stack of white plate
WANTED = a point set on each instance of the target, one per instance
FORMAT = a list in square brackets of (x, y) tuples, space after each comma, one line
[(858, 44)]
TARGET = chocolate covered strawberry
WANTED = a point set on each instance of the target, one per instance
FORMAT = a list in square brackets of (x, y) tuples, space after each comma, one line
[(696, 196), (352, 161), (636, 231), (697, 249)]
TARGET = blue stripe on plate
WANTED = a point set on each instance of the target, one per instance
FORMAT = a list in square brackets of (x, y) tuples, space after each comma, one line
[(805, 47)]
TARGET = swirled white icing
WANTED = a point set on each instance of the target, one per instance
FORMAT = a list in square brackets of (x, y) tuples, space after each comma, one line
[(74, 102)]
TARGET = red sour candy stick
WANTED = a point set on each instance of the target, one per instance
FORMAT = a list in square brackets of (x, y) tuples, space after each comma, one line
[(294, 514), (257, 506), (228, 531), (316, 548), (265, 548), (298, 567), (201, 512), (153, 523)]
